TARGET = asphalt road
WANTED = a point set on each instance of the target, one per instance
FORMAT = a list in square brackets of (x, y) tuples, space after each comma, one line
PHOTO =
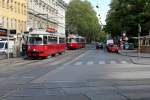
[(86, 74)]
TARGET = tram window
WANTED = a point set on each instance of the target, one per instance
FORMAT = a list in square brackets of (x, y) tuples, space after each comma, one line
[(2, 45), (61, 40), (45, 39), (52, 39), (35, 40), (71, 40), (78, 39)]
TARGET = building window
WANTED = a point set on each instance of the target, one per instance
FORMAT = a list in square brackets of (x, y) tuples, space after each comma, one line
[(11, 5), (11, 23), (3, 3), (25, 10), (18, 7), (15, 6), (8, 3), (22, 9), (3, 21), (0, 3), (7, 23), (15, 24)]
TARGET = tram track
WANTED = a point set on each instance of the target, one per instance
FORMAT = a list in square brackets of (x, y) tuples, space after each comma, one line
[(22, 65), (45, 66)]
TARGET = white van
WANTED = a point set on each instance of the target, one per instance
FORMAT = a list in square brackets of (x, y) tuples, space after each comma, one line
[(4, 46)]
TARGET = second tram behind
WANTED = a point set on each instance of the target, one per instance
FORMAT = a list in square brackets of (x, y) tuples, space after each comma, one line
[(75, 42)]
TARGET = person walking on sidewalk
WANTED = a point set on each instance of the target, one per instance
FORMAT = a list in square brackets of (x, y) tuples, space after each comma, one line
[(23, 41)]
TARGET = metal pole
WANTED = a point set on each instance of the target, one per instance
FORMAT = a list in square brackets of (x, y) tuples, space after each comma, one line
[(47, 20), (139, 44), (8, 56)]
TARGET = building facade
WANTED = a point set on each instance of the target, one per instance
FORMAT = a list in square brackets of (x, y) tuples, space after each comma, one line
[(46, 13), (145, 44), (61, 7), (13, 15)]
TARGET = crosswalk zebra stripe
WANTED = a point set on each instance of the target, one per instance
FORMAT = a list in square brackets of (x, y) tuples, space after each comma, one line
[(78, 63), (101, 62), (124, 62), (90, 63), (112, 62)]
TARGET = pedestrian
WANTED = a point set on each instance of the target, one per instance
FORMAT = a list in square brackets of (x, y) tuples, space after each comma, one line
[(23, 46)]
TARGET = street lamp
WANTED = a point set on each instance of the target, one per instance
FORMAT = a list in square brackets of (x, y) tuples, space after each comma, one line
[(139, 53)]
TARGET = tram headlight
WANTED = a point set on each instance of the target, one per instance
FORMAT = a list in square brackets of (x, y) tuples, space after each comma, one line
[(34, 50)]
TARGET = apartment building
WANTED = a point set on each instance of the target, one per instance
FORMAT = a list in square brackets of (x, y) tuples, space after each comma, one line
[(46, 13), (13, 15)]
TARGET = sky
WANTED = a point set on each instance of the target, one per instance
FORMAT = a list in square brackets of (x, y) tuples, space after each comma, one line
[(103, 8)]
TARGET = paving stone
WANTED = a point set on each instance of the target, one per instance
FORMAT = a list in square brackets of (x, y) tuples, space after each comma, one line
[(37, 92), (99, 84), (84, 90), (138, 96), (41, 86), (106, 96), (56, 97), (72, 84)]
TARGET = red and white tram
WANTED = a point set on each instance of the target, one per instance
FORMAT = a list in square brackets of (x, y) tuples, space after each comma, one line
[(44, 44), (75, 42)]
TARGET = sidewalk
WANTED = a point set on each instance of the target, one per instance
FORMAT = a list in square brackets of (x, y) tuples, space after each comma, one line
[(141, 61), (134, 53), (144, 58)]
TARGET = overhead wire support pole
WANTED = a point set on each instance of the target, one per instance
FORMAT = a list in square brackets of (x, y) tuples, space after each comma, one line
[(8, 56), (139, 44), (47, 19)]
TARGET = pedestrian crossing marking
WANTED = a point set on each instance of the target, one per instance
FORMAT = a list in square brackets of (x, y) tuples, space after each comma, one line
[(90, 63), (112, 62), (78, 63), (124, 62), (101, 62)]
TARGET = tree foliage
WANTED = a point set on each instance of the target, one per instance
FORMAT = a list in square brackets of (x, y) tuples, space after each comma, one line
[(125, 15), (81, 19)]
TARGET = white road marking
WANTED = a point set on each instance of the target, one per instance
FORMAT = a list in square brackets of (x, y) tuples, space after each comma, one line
[(90, 63), (76, 58), (60, 61), (124, 62), (101, 62), (78, 63), (112, 62)]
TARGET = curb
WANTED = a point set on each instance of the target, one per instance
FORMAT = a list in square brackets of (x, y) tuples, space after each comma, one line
[(131, 55), (136, 62)]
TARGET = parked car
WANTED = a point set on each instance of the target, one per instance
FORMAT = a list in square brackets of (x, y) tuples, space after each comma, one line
[(4, 47), (112, 48), (99, 45)]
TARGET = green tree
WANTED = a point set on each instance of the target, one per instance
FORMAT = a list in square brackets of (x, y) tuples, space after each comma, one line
[(125, 15), (81, 19)]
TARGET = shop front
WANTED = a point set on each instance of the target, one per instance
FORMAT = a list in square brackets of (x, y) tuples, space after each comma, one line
[(145, 44)]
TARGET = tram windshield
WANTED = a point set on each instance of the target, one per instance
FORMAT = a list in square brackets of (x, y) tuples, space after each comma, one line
[(72, 40), (1, 45), (35, 40)]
